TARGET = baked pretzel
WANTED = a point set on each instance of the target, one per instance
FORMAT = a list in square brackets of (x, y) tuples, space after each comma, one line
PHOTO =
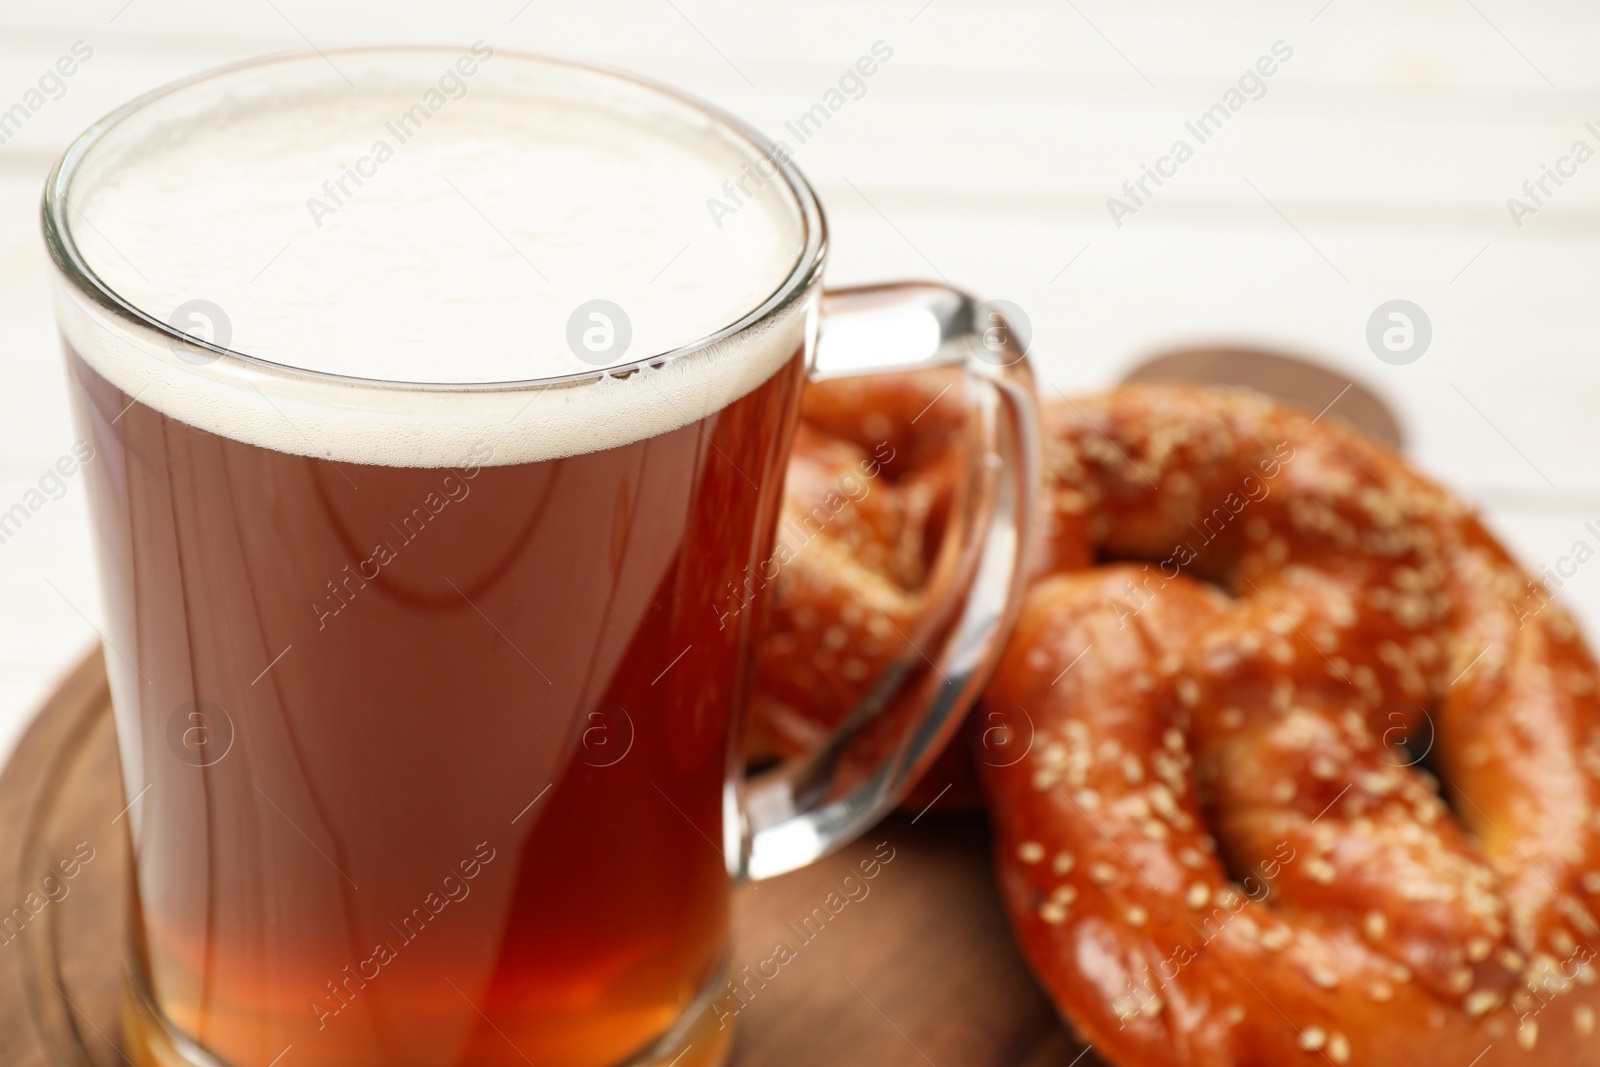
[(1225, 845), (868, 487)]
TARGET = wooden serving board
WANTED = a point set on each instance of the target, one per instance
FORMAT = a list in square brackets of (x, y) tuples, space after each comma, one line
[(917, 968)]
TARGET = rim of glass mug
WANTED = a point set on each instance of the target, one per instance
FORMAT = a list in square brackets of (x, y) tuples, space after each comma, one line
[(64, 251)]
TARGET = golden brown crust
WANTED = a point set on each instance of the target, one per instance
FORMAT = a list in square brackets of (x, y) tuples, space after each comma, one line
[(868, 485), (1222, 847)]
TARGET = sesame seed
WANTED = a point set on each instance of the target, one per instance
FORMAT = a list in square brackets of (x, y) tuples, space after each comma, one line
[(1102, 873), (1063, 863), (1460, 980), (1136, 916), (1376, 925), (1381, 992), (1164, 803), (1528, 1034), (1325, 768), (1030, 852), (1481, 1002), (1199, 895), (1132, 769), (1053, 912), (1583, 1020), (1321, 871), (1312, 1038), (1324, 978), (1478, 949), (1338, 1048)]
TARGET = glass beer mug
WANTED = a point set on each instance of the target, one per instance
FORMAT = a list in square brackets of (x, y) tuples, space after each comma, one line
[(435, 407)]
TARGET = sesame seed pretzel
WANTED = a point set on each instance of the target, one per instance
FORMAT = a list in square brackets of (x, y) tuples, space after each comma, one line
[(1225, 844), (869, 482)]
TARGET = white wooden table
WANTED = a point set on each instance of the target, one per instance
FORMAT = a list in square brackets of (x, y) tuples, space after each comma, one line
[(1376, 165)]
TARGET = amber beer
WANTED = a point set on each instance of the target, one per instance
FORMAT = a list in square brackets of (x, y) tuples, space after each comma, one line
[(410, 515), (421, 465)]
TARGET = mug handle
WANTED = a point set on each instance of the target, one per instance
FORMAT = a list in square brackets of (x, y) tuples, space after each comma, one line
[(806, 808)]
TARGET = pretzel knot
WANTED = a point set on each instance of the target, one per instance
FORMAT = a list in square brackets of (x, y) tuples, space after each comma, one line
[(870, 481), (1226, 843)]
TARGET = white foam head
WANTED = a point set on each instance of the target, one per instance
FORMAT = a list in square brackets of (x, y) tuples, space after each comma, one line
[(450, 218)]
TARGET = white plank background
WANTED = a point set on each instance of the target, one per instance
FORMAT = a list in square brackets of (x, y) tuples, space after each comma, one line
[(1376, 166)]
